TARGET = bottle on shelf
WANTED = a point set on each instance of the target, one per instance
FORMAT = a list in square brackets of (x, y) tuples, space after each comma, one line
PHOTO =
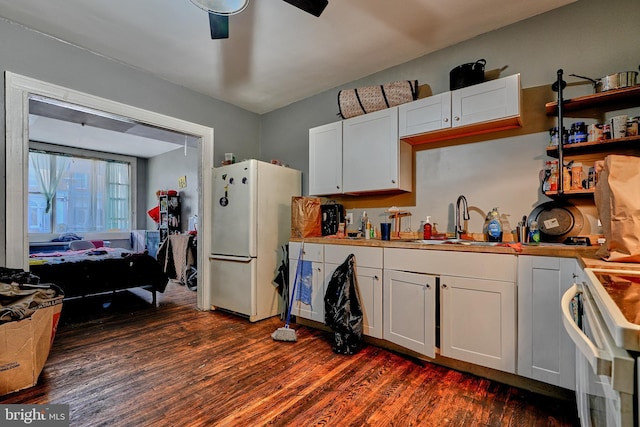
[(546, 177), (553, 178)]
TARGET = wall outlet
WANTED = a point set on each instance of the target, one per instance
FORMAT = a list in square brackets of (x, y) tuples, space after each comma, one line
[(348, 218)]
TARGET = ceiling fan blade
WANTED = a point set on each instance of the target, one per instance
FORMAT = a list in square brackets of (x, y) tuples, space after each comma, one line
[(314, 7), (219, 25)]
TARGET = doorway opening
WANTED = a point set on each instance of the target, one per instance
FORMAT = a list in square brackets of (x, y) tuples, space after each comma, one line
[(21, 91)]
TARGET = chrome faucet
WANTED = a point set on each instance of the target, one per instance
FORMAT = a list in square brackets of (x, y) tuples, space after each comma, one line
[(465, 215)]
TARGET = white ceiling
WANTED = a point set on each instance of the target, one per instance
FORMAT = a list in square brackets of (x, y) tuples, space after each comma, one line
[(276, 53)]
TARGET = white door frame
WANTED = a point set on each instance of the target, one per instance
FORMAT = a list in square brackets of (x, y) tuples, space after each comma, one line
[(17, 91)]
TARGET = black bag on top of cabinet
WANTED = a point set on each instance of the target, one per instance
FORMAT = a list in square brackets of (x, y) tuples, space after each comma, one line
[(332, 215), (342, 308)]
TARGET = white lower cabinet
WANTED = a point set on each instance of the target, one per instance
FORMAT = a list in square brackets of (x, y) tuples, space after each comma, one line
[(368, 278), (314, 254), (399, 294), (545, 351), (478, 321), (477, 304), (410, 311)]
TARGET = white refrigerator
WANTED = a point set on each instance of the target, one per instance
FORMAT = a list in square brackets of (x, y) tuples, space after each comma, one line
[(251, 222)]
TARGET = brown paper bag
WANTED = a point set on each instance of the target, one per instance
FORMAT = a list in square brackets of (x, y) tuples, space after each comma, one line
[(306, 217), (617, 197)]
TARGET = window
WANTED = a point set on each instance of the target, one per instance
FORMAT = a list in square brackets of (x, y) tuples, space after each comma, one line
[(78, 192)]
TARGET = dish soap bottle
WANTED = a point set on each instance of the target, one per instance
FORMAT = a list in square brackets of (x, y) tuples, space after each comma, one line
[(426, 229), (534, 233), (493, 227)]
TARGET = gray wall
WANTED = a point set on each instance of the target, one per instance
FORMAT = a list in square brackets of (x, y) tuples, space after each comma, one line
[(32, 54), (590, 37), (162, 174)]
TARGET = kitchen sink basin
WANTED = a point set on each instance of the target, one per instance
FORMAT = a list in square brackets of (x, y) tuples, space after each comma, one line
[(454, 242)]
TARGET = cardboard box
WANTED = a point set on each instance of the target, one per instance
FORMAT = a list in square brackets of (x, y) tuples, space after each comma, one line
[(25, 345)]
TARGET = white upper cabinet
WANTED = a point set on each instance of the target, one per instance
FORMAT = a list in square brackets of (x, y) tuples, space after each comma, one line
[(492, 100), (425, 115), (486, 107), (374, 159), (325, 159)]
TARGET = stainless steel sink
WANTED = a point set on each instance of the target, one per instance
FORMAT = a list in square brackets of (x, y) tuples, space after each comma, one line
[(455, 242)]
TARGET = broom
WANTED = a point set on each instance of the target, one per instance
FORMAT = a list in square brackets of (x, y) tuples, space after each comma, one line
[(285, 333)]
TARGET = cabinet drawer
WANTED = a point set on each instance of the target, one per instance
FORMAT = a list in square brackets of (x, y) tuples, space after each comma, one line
[(463, 264), (365, 256), (312, 251)]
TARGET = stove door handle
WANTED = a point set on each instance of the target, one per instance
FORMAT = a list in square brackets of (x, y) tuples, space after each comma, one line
[(599, 359)]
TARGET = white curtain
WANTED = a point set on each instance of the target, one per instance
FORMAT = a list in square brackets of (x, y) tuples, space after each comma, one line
[(49, 173)]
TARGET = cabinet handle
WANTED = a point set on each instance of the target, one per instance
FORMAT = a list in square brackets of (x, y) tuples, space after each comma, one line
[(393, 181), (319, 269), (337, 187), (574, 275), (457, 119), (428, 286), (446, 119), (376, 277), (444, 286)]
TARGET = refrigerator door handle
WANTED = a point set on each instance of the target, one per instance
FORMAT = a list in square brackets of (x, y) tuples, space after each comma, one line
[(244, 259)]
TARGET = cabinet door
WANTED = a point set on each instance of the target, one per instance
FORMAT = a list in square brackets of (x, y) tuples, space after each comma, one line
[(315, 310), (314, 254), (545, 351), (492, 100), (371, 152), (369, 286), (425, 115), (478, 321), (369, 279), (325, 159), (410, 311)]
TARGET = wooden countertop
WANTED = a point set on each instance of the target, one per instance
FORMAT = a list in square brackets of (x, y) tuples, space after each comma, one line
[(544, 249)]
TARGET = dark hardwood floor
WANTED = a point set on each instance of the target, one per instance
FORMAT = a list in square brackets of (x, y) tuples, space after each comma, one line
[(118, 361)]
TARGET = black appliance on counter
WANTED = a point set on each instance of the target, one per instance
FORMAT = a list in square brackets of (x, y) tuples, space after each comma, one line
[(332, 215)]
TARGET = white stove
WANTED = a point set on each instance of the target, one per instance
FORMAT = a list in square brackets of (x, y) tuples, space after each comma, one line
[(602, 317), (617, 295)]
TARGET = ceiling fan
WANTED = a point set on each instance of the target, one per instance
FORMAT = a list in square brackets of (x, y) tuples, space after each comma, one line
[(220, 10)]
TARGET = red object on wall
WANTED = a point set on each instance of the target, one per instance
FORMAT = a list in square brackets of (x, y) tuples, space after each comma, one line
[(154, 213)]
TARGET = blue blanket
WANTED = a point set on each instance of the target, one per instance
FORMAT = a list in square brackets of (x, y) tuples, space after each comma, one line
[(304, 282)]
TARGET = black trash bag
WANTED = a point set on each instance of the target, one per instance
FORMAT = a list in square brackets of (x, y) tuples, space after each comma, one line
[(342, 308)]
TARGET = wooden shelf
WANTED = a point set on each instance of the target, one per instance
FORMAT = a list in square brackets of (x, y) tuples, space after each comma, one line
[(554, 194), (595, 146), (620, 98)]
